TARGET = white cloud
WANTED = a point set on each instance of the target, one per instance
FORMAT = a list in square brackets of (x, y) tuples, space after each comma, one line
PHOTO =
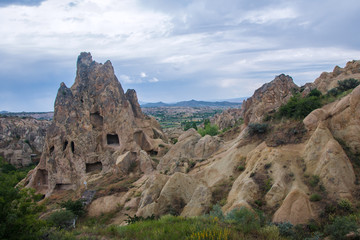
[(143, 75), (154, 80)]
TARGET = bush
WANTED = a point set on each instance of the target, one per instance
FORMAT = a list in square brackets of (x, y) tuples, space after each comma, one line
[(314, 181), (76, 207), (208, 129), (285, 229), (216, 212), (298, 107), (345, 205), (257, 128), (270, 232), (246, 220), (340, 227), (62, 219), (315, 93), (188, 125), (219, 234), (347, 84), (315, 197)]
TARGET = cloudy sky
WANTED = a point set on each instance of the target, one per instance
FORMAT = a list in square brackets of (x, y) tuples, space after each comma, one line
[(171, 50)]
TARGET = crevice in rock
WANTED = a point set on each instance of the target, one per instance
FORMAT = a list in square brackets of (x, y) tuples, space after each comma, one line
[(63, 186), (72, 147), (65, 145)]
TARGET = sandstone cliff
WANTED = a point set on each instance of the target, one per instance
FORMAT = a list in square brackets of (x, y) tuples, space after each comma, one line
[(268, 98), (22, 139), (227, 119), (94, 124)]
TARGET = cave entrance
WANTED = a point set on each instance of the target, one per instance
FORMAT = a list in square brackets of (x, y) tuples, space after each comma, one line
[(96, 120), (72, 147), (42, 177), (63, 186), (94, 167), (65, 145), (112, 139)]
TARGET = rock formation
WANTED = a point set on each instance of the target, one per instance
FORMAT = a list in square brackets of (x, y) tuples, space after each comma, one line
[(22, 139), (97, 128), (94, 123), (327, 81), (268, 98), (227, 119)]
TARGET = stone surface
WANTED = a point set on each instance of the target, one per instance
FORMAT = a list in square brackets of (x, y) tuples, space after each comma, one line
[(94, 123), (22, 139), (268, 98), (227, 119), (327, 81)]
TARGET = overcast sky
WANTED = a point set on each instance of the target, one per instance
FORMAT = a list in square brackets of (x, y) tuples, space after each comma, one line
[(171, 50)]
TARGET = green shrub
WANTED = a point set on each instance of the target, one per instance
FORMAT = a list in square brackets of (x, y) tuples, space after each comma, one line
[(241, 168), (208, 129), (298, 107), (216, 212), (188, 125), (246, 220), (314, 180), (206, 234), (315, 93), (340, 227), (315, 197), (257, 128), (76, 207), (62, 219), (345, 205), (270, 232), (347, 84), (285, 229)]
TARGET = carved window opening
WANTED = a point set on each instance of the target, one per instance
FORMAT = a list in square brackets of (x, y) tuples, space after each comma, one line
[(52, 149), (65, 145), (97, 121), (152, 153), (72, 147), (62, 186), (112, 139), (42, 177), (93, 167)]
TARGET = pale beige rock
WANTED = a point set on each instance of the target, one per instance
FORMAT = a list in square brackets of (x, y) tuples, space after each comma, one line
[(106, 204), (125, 161), (327, 81), (324, 157), (268, 98), (227, 118), (295, 209)]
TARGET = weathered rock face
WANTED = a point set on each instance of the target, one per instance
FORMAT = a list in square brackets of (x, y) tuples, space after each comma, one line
[(22, 139), (94, 123), (268, 98), (327, 81), (190, 148), (227, 118)]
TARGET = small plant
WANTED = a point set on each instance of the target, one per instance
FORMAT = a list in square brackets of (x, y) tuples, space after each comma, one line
[(268, 185), (267, 166), (135, 218), (270, 232), (315, 197), (314, 180), (241, 168), (345, 205)]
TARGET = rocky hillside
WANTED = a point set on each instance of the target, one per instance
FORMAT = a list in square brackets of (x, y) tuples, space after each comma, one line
[(22, 139), (100, 136)]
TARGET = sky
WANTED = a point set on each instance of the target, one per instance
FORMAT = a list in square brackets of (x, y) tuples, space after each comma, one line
[(171, 50)]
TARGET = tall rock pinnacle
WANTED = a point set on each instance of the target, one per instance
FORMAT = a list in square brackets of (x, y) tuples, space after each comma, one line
[(94, 123)]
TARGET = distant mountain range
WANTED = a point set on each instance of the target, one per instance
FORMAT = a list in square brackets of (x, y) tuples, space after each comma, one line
[(193, 103)]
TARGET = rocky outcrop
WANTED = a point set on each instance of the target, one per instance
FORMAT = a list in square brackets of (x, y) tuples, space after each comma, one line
[(94, 124), (268, 98), (22, 139), (227, 119), (329, 80), (191, 147)]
